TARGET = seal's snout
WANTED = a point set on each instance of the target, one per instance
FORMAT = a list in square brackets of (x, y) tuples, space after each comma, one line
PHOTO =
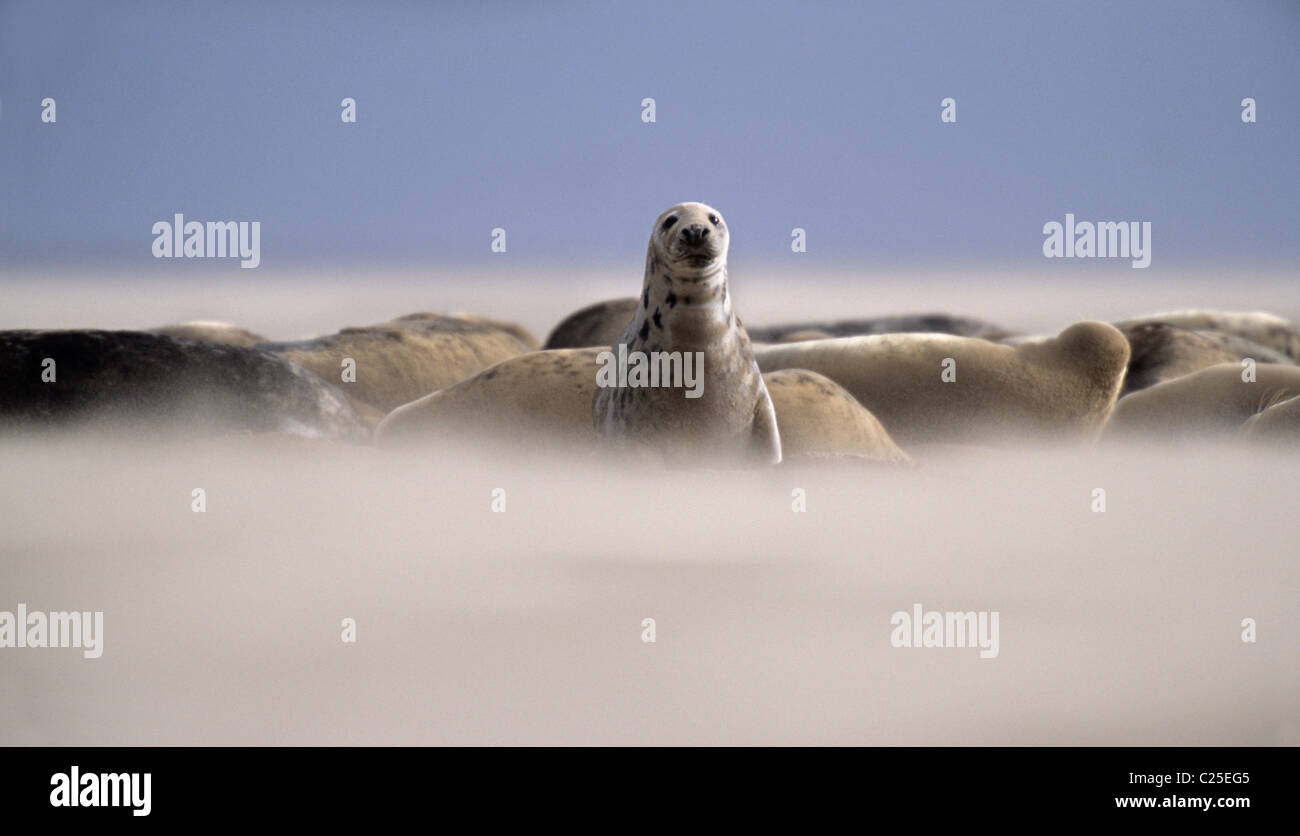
[(695, 235), (690, 236)]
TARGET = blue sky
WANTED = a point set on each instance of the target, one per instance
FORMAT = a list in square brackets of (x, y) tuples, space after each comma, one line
[(527, 116)]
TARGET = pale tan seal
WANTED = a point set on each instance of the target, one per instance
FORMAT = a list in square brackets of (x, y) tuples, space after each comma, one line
[(211, 331), (1062, 388), (407, 358), (543, 395), (819, 419), (1159, 351), (686, 314), (1217, 400)]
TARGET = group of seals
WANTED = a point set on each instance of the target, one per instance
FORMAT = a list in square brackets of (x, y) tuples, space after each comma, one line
[(810, 390), (202, 377), (684, 309), (549, 395), (1061, 388)]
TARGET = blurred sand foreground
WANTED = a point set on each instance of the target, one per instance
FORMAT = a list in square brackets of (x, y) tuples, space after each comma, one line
[(525, 626), (477, 627)]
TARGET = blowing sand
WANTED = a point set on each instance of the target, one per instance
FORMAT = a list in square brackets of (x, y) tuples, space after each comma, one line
[(525, 626)]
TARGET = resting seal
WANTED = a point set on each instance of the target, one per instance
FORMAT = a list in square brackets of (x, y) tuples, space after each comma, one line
[(1213, 401), (820, 420), (135, 382), (401, 360), (1062, 388), (599, 324)]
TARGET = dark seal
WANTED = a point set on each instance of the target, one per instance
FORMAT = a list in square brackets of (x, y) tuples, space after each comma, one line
[(139, 383)]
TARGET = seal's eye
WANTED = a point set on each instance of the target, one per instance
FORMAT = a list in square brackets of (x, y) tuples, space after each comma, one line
[(715, 220), (668, 222)]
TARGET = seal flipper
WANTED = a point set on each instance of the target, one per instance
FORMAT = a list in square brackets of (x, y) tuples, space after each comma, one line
[(766, 440)]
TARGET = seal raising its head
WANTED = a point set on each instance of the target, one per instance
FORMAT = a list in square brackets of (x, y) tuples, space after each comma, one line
[(682, 378)]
